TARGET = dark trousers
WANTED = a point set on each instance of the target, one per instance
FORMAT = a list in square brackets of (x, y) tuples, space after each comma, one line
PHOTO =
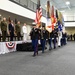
[(0, 37), (18, 36), (61, 41), (54, 42), (4, 36), (43, 41), (35, 45), (64, 41), (74, 38), (50, 43), (11, 36)]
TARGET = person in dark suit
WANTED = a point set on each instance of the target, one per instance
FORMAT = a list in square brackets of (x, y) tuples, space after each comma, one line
[(11, 30)]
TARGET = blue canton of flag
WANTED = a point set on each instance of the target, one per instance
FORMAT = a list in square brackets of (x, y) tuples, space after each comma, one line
[(60, 27)]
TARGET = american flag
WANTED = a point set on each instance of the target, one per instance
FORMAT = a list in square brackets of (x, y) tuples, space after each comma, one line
[(38, 14)]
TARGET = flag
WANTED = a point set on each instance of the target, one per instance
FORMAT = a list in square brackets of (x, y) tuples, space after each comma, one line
[(57, 17), (38, 14), (52, 11), (48, 24), (15, 21), (60, 17), (48, 9), (9, 19), (56, 14), (52, 17), (60, 21)]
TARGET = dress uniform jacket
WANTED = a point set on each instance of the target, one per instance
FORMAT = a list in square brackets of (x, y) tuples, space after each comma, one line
[(44, 34), (3, 26), (18, 31), (4, 30), (24, 30), (35, 33), (17, 28)]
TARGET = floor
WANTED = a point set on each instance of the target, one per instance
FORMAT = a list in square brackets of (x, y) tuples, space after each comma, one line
[(60, 61)]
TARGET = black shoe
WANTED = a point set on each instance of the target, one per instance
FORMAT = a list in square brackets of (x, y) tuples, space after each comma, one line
[(34, 55), (50, 48), (42, 51), (37, 53), (58, 46), (54, 47)]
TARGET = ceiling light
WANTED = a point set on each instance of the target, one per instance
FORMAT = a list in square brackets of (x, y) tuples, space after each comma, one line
[(45, 5), (67, 3), (0, 15), (62, 11)]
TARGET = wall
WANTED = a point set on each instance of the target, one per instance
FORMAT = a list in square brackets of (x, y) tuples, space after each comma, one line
[(69, 24), (70, 30)]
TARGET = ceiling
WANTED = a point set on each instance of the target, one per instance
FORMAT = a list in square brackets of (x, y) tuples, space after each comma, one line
[(59, 4)]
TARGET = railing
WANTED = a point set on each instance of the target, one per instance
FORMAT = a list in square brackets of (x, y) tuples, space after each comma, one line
[(29, 5), (14, 38)]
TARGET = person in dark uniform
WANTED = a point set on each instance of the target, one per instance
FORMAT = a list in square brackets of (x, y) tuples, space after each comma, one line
[(0, 31), (74, 36), (4, 29), (11, 30), (64, 36), (55, 35), (71, 37), (18, 30), (43, 38), (34, 37), (50, 35)]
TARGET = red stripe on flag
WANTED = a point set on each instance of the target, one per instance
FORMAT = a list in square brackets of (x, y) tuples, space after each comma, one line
[(38, 16)]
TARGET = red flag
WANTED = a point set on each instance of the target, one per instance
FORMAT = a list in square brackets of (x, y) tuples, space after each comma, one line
[(53, 19), (38, 14)]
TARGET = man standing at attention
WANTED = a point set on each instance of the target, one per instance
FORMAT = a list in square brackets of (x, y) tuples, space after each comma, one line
[(18, 30), (11, 30), (24, 30), (4, 29)]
